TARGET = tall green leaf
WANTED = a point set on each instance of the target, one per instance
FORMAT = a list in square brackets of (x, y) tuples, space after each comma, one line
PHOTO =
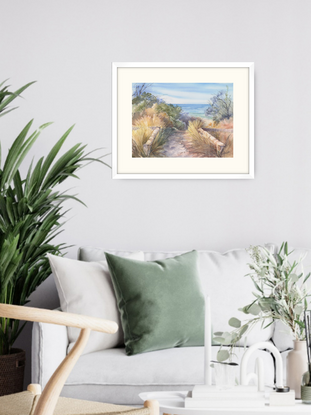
[(32, 214), (14, 95)]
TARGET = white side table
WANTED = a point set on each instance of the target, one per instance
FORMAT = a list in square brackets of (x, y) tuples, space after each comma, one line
[(173, 403)]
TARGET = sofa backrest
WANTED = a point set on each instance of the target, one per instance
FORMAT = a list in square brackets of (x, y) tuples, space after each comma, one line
[(223, 279)]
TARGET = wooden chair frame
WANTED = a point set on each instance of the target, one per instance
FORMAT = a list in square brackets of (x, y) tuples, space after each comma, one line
[(53, 388)]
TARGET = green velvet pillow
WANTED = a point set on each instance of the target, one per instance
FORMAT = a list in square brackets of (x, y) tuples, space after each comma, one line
[(161, 302)]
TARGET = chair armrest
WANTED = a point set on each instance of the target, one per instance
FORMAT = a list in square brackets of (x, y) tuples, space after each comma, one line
[(54, 317), (48, 399), (47, 352)]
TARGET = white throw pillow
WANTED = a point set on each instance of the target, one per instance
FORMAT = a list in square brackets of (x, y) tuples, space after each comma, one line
[(86, 288)]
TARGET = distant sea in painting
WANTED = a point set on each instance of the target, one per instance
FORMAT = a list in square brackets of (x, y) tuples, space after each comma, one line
[(195, 110)]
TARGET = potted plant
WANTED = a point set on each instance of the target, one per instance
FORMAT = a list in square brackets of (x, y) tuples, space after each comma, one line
[(281, 294), (31, 214)]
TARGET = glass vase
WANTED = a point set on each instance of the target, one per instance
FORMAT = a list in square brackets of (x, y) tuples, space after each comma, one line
[(225, 376)]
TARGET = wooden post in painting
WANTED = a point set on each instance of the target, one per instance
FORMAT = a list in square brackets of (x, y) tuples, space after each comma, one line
[(219, 146), (147, 146), (134, 147)]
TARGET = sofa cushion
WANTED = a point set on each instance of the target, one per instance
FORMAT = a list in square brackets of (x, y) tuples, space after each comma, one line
[(161, 302), (223, 279), (111, 376), (86, 288)]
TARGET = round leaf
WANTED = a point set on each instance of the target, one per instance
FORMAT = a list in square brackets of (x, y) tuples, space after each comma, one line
[(244, 310), (222, 355), (254, 309), (265, 304), (220, 340), (234, 322)]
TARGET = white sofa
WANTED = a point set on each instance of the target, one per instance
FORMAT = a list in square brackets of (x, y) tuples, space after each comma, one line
[(111, 376)]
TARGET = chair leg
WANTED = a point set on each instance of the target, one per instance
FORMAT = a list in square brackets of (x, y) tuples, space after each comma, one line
[(34, 388), (153, 406), (53, 388)]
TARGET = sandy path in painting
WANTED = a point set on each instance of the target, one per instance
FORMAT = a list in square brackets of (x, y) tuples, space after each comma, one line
[(175, 145)]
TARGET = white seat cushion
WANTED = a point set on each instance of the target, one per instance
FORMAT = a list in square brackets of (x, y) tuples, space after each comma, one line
[(110, 375)]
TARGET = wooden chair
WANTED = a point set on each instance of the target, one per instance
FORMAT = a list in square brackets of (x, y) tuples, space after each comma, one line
[(32, 402)]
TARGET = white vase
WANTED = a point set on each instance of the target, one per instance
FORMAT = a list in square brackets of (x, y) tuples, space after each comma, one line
[(296, 365)]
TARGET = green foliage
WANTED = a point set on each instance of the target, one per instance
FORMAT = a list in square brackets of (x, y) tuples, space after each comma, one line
[(281, 294), (31, 215), (180, 125), (143, 101), (222, 355), (6, 97), (234, 322), (173, 112), (140, 89), (221, 107)]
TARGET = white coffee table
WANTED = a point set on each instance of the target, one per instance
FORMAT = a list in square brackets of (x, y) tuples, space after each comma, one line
[(173, 403)]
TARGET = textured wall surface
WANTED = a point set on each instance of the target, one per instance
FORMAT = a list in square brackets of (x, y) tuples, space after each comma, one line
[(68, 47)]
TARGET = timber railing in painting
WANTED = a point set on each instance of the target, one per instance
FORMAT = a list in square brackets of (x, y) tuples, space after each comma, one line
[(148, 145), (217, 144)]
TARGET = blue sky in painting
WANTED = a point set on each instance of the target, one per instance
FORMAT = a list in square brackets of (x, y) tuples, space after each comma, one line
[(187, 93)]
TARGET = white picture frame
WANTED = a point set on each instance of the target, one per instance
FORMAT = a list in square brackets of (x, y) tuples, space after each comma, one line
[(126, 167)]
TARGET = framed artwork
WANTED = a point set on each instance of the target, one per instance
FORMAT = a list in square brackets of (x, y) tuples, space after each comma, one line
[(183, 120)]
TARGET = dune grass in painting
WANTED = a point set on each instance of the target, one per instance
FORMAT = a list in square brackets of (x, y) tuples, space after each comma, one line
[(182, 120)]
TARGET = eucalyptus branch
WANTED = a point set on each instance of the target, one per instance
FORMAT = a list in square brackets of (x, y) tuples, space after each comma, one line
[(281, 294)]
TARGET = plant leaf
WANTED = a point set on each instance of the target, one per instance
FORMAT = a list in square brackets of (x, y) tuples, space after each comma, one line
[(220, 340), (243, 330), (234, 322), (222, 355), (14, 95), (254, 309)]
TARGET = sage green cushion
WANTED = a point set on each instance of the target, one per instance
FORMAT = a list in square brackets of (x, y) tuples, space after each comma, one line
[(161, 302)]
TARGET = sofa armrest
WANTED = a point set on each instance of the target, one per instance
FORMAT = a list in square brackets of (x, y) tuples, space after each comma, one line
[(49, 348)]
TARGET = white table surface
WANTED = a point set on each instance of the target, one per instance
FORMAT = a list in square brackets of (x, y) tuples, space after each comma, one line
[(173, 403)]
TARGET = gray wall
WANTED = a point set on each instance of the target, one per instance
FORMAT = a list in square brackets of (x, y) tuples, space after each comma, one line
[(68, 46)]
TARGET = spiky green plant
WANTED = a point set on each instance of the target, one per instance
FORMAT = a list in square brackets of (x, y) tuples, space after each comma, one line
[(31, 214)]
